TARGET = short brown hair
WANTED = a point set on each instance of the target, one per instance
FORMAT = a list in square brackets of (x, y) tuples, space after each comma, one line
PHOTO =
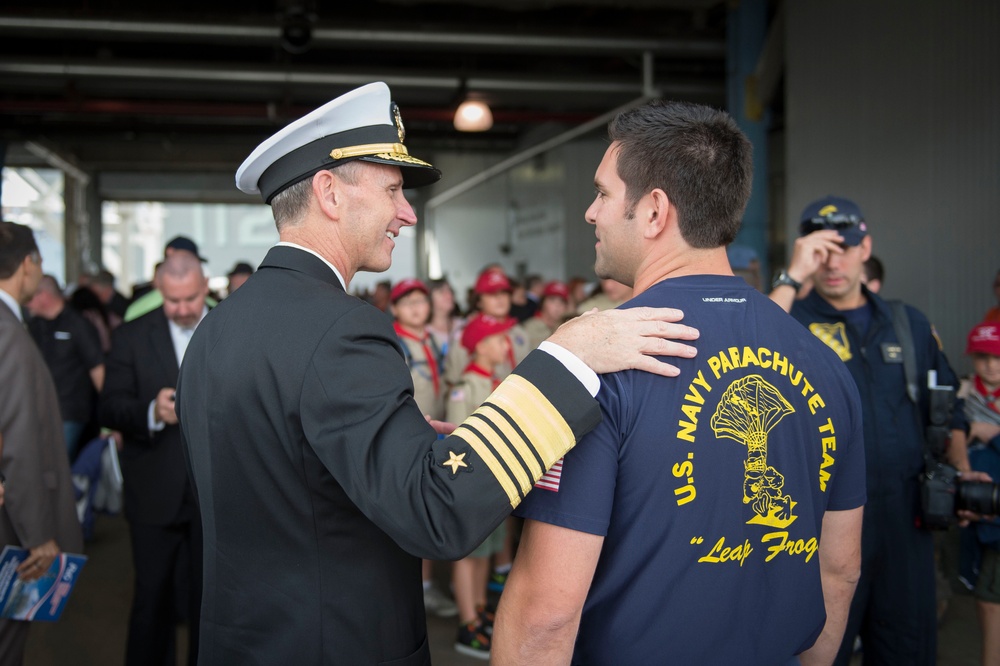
[(694, 153), (16, 242)]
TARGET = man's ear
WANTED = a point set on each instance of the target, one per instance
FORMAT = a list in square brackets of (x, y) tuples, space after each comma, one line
[(866, 248), (327, 193), (657, 212)]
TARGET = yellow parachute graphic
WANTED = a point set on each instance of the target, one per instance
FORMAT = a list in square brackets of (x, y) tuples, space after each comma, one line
[(747, 412)]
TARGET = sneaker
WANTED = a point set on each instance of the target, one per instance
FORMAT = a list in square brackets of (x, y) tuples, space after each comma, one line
[(497, 581), (437, 603), (472, 641), (486, 620)]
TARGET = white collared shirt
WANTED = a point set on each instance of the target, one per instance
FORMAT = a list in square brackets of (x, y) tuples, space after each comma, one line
[(316, 254), (180, 336), (12, 303)]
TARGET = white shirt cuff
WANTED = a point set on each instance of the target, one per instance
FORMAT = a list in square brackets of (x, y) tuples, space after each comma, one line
[(573, 363), (151, 419)]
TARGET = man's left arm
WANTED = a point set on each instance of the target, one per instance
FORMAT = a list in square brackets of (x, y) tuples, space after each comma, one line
[(91, 354), (97, 377), (840, 569), (542, 602)]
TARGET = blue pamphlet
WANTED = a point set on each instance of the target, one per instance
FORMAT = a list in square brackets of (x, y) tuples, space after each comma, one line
[(40, 599)]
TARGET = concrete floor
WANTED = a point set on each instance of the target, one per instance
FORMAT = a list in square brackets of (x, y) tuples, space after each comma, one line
[(93, 627)]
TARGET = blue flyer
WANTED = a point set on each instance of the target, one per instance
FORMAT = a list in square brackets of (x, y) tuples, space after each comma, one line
[(40, 599)]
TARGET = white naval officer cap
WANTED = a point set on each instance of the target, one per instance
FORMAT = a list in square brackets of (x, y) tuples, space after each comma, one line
[(363, 124)]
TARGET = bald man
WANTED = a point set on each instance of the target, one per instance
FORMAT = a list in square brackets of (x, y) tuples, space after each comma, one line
[(138, 400)]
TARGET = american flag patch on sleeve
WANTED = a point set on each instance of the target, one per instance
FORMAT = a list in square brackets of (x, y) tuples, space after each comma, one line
[(550, 480)]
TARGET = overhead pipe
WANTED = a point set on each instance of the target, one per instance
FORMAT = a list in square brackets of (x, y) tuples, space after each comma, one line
[(348, 37), (325, 78)]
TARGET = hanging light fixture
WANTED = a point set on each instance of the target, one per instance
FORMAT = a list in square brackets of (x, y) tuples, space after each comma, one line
[(473, 115)]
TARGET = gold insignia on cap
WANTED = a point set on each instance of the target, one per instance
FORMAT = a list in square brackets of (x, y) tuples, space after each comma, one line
[(401, 157), (828, 209), (455, 461), (399, 123), (396, 152)]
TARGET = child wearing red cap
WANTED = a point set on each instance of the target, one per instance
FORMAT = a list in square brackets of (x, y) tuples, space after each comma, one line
[(410, 304), (492, 292), (551, 313), (485, 339), (975, 445)]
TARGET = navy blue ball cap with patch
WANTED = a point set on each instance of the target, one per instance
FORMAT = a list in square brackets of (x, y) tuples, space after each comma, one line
[(837, 213), (363, 124), (183, 243)]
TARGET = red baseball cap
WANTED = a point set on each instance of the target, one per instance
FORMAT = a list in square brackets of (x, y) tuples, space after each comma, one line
[(984, 339), (403, 287), (483, 326), (492, 282), (556, 288)]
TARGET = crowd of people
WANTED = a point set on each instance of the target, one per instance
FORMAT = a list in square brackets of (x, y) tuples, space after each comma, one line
[(345, 447)]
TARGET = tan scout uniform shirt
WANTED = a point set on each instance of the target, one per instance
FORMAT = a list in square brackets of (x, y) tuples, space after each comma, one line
[(537, 331), (429, 401), (471, 391), (458, 357)]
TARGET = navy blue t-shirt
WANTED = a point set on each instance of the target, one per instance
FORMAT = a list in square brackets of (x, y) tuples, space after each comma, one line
[(710, 488)]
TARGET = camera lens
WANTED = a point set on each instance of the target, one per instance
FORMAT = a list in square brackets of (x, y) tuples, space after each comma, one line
[(979, 497)]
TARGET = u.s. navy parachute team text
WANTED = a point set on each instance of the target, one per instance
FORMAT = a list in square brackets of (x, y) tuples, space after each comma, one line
[(710, 492)]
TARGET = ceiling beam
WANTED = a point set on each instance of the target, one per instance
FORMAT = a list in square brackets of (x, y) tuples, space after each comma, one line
[(340, 38)]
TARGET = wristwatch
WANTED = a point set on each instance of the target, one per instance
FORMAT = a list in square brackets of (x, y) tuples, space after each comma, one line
[(783, 279)]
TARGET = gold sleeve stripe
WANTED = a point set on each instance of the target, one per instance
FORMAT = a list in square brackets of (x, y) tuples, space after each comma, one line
[(471, 437), (509, 445), (546, 430), (515, 436)]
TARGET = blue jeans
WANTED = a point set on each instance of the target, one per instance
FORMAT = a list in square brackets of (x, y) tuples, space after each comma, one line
[(71, 432)]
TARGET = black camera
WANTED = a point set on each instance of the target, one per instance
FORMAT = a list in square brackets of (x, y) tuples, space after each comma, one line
[(942, 492)]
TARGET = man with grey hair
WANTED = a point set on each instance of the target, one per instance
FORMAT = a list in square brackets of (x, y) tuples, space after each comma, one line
[(138, 400), (320, 483), (71, 348)]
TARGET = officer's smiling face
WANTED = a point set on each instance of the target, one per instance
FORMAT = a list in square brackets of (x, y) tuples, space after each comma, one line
[(838, 279), (375, 210)]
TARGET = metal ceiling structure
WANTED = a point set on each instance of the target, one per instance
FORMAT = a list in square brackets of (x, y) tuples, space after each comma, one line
[(187, 87)]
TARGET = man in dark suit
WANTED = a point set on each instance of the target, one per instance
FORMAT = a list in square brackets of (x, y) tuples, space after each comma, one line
[(319, 481), (38, 511), (138, 400)]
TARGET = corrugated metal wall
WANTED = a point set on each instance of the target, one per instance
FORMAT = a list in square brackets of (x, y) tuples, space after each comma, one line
[(896, 104)]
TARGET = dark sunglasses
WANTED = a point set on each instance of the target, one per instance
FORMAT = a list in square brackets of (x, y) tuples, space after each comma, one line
[(837, 221)]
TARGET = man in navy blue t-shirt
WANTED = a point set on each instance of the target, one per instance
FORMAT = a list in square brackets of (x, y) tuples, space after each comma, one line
[(710, 518)]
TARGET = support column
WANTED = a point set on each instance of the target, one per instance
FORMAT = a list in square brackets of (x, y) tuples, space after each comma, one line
[(747, 30), (75, 223), (93, 258)]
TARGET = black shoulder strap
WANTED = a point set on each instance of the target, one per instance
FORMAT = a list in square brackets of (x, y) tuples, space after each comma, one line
[(407, 354), (901, 324), (438, 354)]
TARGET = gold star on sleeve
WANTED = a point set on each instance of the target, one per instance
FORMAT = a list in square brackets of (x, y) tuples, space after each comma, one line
[(455, 461)]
